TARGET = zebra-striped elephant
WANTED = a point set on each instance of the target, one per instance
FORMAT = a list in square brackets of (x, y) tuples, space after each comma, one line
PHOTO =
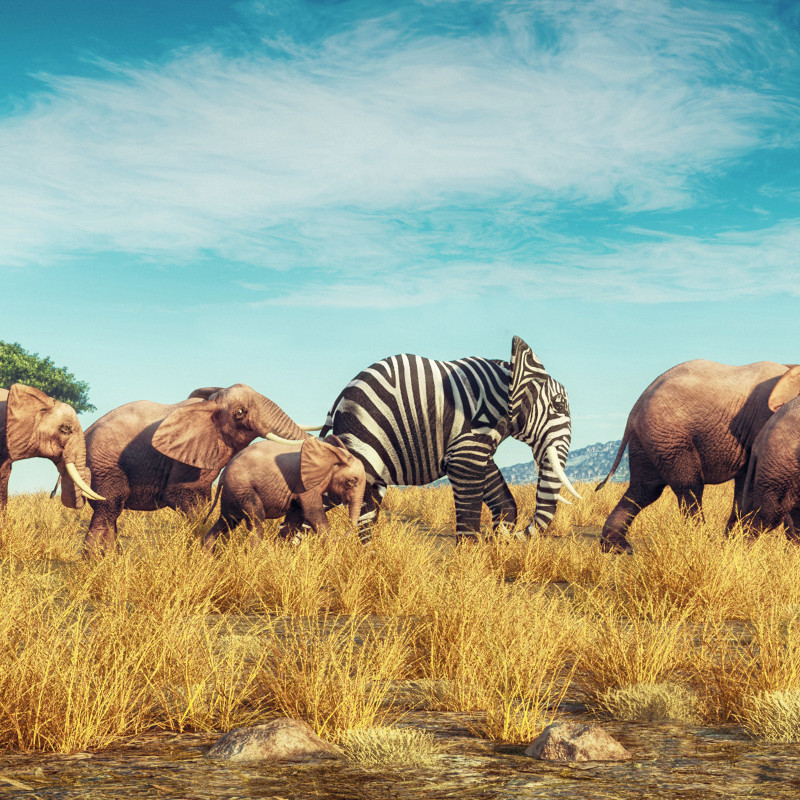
[(412, 420)]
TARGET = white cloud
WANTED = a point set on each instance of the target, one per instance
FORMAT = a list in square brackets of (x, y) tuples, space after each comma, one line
[(657, 269), (299, 156)]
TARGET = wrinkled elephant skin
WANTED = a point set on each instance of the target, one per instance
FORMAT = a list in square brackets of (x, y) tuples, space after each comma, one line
[(147, 455), (695, 425), (34, 425), (772, 488), (268, 480)]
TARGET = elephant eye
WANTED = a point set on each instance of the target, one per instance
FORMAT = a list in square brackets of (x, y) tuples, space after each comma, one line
[(65, 428), (351, 482), (239, 413)]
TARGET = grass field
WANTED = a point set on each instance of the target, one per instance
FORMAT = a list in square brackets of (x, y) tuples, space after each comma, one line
[(694, 625)]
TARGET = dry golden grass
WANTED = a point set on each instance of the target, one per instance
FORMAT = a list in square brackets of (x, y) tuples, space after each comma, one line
[(387, 746), (162, 636), (774, 716), (337, 673), (652, 702)]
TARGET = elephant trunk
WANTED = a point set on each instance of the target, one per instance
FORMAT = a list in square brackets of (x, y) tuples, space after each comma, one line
[(75, 475), (274, 420), (552, 457), (356, 502), (551, 478)]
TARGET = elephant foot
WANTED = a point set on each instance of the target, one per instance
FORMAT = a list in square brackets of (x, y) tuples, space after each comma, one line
[(294, 534), (100, 552), (619, 544), (502, 530), (792, 535), (526, 534)]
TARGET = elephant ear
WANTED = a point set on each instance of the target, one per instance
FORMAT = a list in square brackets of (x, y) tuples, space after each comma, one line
[(204, 393), (190, 434), (317, 459), (23, 411), (787, 388), (335, 441), (526, 369)]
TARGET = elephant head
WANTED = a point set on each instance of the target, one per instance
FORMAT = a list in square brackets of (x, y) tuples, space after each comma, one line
[(539, 416), (39, 426), (327, 465), (207, 433)]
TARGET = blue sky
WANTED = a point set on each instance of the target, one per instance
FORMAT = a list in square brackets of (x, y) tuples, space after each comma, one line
[(281, 193)]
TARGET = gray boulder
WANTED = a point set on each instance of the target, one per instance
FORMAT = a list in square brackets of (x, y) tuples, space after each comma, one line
[(576, 741), (281, 739)]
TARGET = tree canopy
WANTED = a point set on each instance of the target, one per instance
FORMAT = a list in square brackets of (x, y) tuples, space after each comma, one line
[(17, 365)]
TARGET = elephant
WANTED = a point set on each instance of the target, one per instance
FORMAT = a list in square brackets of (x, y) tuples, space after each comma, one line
[(33, 424), (412, 420), (145, 455), (772, 486), (267, 480), (695, 425)]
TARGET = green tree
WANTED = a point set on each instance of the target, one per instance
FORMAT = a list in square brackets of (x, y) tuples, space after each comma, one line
[(19, 366)]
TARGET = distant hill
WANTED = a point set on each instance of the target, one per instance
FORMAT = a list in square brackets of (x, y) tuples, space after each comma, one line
[(589, 464)]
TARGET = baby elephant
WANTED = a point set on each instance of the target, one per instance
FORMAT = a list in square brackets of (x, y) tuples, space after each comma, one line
[(267, 480), (772, 488)]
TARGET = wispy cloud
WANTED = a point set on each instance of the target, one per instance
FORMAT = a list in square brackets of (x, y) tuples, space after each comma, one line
[(326, 154), (659, 269)]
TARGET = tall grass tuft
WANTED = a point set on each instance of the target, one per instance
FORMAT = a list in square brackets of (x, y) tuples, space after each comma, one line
[(334, 672), (387, 746), (774, 715), (651, 702)]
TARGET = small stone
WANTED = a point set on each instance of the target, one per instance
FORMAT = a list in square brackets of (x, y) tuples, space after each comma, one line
[(281, 739), (576, 741)]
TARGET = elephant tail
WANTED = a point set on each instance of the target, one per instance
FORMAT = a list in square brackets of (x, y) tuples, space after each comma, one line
[(213, 502), (625, 439)]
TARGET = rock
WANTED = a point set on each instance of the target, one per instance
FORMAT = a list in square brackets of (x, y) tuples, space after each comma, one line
[(576, 741), (281, 739)]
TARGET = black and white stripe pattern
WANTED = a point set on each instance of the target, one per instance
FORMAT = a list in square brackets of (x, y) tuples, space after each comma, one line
[(412, 420)]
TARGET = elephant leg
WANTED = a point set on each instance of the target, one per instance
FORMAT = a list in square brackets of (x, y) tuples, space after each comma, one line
[(637, 497), (736, 510), (293, 523), (791, 523), (101, 538), (645, 488), (467, 479), (690, 500), (314, 513), (684, 474), (219, 528), (226, 522), (498, 498), (5, 474), (231, 514)]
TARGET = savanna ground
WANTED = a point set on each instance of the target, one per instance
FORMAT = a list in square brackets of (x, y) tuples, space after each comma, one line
[(431, 666)]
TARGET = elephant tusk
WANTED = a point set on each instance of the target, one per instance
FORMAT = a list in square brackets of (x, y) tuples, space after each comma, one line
[(311, 427), (273, 437), (563, 500), (80, 483), (562, 476)]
